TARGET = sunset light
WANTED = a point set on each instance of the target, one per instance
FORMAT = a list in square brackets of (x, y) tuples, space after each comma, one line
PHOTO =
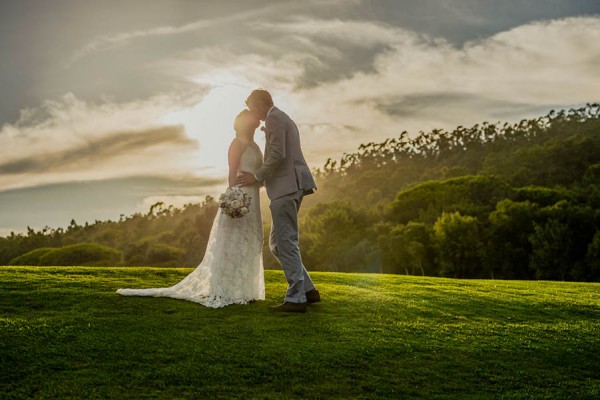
[(421, 198), (210, 121)]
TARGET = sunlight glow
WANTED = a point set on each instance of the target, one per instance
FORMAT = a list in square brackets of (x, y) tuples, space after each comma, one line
[(211, 120)]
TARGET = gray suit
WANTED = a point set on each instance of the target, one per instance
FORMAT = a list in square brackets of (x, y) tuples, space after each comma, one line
[(287, 179)]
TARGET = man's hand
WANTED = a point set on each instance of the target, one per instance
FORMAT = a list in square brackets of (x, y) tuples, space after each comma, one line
[(245, 179)]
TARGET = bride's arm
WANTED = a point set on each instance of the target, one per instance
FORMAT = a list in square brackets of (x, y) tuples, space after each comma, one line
[(234, 155)]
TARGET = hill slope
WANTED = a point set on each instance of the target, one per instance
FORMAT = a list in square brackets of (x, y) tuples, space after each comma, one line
[(64, 333)]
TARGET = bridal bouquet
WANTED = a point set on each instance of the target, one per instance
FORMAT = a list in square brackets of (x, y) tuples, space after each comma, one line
[(234, 202)]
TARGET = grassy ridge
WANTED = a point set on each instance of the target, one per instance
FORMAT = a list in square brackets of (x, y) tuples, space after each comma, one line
[(65, 333)]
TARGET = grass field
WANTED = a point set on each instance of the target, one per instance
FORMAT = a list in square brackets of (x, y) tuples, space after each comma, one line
[(65, 333)]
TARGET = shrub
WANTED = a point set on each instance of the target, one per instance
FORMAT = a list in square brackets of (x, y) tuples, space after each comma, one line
[(459, 247), (164, 255), (543, 196), (470, 195), (82, 254), (31, 257)]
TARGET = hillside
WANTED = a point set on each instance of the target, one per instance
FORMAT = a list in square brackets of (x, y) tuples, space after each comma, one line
[(65, 333), (503, 201)]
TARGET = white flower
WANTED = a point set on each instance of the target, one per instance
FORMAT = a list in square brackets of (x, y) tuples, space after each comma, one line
[(235, 202)]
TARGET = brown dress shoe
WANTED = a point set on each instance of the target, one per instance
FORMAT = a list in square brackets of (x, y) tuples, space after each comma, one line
[(313, 296), (286, 306)]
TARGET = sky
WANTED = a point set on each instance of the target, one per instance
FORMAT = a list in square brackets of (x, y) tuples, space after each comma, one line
[(108, 107)]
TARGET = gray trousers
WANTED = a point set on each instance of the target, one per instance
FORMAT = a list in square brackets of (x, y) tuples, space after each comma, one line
[(283, 243)]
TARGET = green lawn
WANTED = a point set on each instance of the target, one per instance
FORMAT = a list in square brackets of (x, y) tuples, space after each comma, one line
[(65, 333)]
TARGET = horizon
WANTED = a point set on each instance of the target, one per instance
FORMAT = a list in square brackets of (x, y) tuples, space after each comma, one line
[(108, 110)]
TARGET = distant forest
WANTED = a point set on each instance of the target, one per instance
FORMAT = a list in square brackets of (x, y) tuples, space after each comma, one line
[(502, 201)]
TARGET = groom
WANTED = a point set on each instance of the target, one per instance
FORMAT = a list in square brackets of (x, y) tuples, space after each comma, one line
[(287, 179)]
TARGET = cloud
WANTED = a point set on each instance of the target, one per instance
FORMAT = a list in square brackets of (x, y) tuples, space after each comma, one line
[(420, 83), (107, 42), (254, 14), (345, 82), (99, 151), (356, 33), (68, 139)]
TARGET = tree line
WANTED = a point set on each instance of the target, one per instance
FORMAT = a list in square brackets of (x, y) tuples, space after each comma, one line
[(504, 201), (164, 236), (510, 201)]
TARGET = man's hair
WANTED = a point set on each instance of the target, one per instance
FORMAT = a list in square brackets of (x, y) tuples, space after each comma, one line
[(260, 95)]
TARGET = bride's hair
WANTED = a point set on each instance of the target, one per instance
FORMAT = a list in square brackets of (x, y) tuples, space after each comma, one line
[(244, 121)]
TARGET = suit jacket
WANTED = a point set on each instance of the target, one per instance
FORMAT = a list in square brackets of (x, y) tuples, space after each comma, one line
[(284, 170)]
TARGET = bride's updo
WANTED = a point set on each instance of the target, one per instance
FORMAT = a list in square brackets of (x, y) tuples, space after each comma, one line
[(245, 123)]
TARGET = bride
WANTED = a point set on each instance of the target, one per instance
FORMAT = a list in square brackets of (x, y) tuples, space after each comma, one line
[(231, 271)]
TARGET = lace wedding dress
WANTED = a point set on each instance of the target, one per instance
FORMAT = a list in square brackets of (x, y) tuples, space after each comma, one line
[(231, 271)]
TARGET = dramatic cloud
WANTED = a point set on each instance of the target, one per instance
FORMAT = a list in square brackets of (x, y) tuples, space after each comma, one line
[(356, 33), (250, 15), (421, 83), (97, 152), (69, 139), (408, 82), (111, 41), (348, 72)]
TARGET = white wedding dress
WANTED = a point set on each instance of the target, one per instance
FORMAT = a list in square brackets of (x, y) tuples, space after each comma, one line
[(231, 271)]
